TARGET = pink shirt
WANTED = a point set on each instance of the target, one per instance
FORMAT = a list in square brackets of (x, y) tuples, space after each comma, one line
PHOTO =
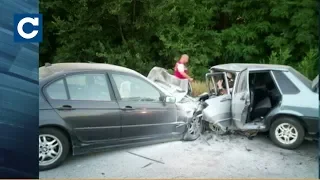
[(180, 68)]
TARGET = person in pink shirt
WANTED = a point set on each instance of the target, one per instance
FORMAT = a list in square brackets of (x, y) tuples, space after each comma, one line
[(180, 69)]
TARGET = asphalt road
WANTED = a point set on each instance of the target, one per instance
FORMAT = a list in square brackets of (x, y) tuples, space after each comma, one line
[(211, 156)]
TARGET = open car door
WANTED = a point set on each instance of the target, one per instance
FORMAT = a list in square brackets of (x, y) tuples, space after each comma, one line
[(218, 113), (241, 100)]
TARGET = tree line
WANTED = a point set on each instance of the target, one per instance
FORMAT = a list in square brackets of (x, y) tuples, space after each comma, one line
[(140, 34)]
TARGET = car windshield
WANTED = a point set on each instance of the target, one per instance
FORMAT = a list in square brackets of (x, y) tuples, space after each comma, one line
[(216, 76), (307, 82)]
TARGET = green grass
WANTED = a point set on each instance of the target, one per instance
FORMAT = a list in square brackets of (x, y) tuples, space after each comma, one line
[(198, 88)]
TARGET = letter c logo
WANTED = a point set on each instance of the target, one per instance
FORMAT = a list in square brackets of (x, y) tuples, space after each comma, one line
[(33, 21)]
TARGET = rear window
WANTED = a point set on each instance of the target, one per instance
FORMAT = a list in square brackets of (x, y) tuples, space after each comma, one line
[(285, 84), (307, 82)]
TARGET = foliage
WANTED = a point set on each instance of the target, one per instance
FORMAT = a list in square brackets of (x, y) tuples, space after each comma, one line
[(198, 87), (141, 34), (280, 57), (309, 65)]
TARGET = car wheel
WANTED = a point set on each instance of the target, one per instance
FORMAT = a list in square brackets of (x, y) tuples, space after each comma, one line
[(287, 133), (193, 130), (53, 148)]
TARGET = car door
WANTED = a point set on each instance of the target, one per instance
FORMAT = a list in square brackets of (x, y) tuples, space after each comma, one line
[(241, 99), (221, 111), (86, 102), (144, 113)]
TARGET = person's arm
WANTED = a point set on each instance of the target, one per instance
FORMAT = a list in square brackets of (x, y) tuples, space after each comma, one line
[(221, 90), (181, 71)]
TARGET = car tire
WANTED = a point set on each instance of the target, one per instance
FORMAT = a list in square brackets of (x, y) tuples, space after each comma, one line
[(281, 135), (193, 130), (55, 141)]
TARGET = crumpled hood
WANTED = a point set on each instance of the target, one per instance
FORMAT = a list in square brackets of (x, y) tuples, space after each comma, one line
[(178, 88)]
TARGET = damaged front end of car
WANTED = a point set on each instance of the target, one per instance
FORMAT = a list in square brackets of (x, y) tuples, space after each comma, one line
[(189, 109), (213, 118), (216, 113)]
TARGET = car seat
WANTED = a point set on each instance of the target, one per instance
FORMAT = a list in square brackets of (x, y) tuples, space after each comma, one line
[(263, 104), (262, 108), (125, 89)]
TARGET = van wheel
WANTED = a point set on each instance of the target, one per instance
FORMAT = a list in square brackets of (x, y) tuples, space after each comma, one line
[(287, 133), (53, 148)]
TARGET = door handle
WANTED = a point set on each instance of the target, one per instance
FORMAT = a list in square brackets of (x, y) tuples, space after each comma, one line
[(127, 108), (65, 107)]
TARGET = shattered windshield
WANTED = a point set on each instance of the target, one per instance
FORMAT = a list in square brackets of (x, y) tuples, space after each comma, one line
[(220, 82)]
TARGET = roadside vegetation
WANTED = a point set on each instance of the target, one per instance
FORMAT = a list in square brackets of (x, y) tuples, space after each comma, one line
[(141, 34), (198, 87)]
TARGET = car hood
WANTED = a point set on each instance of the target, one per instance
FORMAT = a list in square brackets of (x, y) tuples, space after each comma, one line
[(178, 88)]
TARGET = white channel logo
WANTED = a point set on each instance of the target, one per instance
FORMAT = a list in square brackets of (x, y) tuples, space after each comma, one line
[(22, 22)]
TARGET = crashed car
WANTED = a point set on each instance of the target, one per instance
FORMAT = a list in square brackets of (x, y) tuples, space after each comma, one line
[(263, 98), (85, 107)]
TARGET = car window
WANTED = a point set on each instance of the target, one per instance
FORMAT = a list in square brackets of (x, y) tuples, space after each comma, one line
[(302, 78), (57, 90), (285, 84), (90, 87), (242, 82), (135, 89)]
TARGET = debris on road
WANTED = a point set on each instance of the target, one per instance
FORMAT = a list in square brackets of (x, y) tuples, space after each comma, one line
[(249, 134), (248, 149), (146, 157), (206, 137), (146, 165)]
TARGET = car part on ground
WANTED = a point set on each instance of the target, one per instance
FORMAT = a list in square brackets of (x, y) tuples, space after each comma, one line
[(216, 129)]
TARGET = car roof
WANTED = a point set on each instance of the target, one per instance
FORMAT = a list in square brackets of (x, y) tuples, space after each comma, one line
[(50, 69), (236, 67)]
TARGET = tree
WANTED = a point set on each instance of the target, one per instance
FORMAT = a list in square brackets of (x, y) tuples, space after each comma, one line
[(141, 34)]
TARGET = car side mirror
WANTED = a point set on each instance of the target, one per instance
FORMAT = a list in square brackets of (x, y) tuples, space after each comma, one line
[(169, 99)]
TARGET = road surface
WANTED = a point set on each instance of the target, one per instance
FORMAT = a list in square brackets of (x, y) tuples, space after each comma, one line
[(211, 156)]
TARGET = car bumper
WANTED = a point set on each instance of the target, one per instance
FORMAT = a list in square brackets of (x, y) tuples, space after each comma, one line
[(312, 124)]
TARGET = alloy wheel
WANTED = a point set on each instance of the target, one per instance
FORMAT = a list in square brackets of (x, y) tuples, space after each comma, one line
[(50, 149), (193, 126), (286, 133)]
